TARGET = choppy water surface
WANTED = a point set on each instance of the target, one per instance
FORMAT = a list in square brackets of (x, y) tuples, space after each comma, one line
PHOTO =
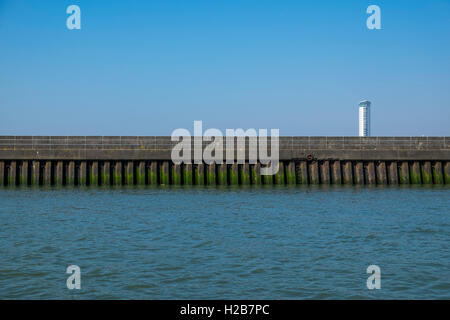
[(202, 243)]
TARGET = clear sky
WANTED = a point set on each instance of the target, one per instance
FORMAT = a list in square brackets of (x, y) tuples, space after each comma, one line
[(149, 67)]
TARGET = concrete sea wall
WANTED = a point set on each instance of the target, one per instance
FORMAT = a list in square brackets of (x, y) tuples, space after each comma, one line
[(99, 161)]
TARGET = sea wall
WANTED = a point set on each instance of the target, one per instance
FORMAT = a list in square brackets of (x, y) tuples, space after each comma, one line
[(97, 161)]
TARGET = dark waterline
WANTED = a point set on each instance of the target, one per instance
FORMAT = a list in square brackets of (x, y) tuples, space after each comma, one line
[(230, 242)]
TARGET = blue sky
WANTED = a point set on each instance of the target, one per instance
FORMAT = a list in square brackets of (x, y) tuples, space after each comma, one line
[(147, 68)]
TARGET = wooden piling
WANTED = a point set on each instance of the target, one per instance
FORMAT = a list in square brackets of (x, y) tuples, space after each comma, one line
[(234, 174), (82, 177), (140, 173), (336, 175), (255, 173), (403, 173), (267, 179), (438, 176), (117, 173), (427, 175), (211, 176), (176, 174), (415, 173), (164, 177), (314, 172), (222, 176), (35, 173), (23, 174), (93, 173), (393, 173), (325, 172), (187, 174), (348, 172), (370, 173), (381, 173), (48, 173), (302, 172), (2, 173), (279, 176), (359, 173), (290, 173), (199, 175), (153, 173), (129, 173), (447, 172), (106, 174), (60, 173), (245, 173), (12, 173)]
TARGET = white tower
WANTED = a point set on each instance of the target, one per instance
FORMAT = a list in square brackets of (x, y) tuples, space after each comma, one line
[(364, 118)]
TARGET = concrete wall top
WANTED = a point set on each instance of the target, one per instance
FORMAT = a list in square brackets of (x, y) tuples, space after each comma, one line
[(159, 148), (164, 142)]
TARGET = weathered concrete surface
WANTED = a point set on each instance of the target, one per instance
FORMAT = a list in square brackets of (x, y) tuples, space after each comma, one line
[(352, 155), (159, 148)]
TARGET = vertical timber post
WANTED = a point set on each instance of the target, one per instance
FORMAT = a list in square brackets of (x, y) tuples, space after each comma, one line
[(427, 176), (255, 173), (140, 173), (117, 174), (176, 174), (279, 176), (153, 173), (290, 173), (12, 174), (348, 172), (82, 179), (371, 176), (48, 173), (234, 174), (129, 173), (314, 173), (381, 173), (302, 172), (187, 174), (164, 177), (336, 176), (447, 172), (325, 172), (222, 174), (393, 173), (438, 177), (35, 173), (404, 173), (211, 174), (2, 173), (415, 173), (200, 174), (59, 173), (359, 173), (23, 178), (245, 174), (70, 174), (93, 181), (106, 174)]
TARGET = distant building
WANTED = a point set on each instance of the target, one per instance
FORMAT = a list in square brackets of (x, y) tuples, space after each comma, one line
[(364, 118)]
